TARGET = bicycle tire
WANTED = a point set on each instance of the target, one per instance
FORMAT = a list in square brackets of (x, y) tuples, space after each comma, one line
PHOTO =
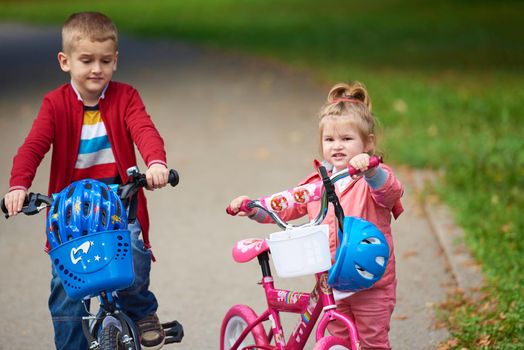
[(110, 338), (333, 343), (236, 320)]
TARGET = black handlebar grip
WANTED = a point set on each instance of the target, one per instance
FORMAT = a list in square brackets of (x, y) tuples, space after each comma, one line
[(173, 177), (4, 209)]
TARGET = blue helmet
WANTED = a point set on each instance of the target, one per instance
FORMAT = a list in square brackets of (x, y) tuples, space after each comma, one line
[(361, 258), (84, 207)]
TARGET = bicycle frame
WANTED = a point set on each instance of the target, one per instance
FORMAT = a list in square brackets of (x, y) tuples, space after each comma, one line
[(319, 305), (308, 305)]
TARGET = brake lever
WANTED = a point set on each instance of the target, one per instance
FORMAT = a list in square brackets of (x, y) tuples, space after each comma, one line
[(332, 197), (37, 202)]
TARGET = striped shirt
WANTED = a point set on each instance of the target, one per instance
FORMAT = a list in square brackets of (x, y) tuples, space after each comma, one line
[(95, 156)]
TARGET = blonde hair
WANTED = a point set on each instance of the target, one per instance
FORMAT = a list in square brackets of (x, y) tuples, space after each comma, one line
[(94, 26), (348, 102)]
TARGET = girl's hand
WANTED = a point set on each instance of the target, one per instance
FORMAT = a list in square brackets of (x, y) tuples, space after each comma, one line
[(157, 176), (361, 163), (235, 206), (14, 201)]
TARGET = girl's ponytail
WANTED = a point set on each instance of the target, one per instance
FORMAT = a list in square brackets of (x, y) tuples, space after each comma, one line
[(343, 92)]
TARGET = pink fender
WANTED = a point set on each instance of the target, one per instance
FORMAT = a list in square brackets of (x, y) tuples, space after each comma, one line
[(247, 249)]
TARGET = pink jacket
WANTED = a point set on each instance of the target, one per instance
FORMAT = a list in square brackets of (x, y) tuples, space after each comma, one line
[(360, 200)]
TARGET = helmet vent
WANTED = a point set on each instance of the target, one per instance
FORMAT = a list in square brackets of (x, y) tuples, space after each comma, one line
[(54, 228), (68, 215), (380, 260), (86, 207), (363, 273), (104, 193), (57, 203), (104, 217), (118, 209), (70, 191), (88, 185), (371, 240)]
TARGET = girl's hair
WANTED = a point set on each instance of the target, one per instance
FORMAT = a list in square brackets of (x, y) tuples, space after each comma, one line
[(348, 102), (94, 26)]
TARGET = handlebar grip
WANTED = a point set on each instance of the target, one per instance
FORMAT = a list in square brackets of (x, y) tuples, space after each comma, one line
[(246, 206), (4, 208), (174, 178), (230, 211), (374, 161)]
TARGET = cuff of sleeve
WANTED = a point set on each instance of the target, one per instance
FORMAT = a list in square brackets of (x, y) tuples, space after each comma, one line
[(258, 216), (156, 162), (17, 188), (378, 180)]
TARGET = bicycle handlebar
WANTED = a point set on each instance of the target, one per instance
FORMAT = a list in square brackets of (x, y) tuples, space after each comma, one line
[(35, 202), (322, 190)]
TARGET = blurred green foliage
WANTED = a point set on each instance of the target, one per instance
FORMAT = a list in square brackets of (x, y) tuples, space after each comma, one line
[(446, 79)]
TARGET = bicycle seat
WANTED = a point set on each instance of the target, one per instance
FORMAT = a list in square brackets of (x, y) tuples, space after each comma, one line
[(247, 249)]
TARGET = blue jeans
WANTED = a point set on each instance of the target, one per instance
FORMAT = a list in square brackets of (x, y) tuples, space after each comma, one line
[(136, 301)]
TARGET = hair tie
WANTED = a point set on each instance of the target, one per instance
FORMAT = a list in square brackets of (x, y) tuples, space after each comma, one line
[(346, 99)]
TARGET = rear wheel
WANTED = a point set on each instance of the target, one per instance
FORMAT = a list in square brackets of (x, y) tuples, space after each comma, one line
[(235, 322), (332, 343)]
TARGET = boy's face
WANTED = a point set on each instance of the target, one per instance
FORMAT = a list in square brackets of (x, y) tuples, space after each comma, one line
[(91, 65)]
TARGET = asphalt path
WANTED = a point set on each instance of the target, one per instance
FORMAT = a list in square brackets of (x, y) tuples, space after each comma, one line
[(232, 124)]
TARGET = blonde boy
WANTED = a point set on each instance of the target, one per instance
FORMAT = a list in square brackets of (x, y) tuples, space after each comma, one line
[(92, 124)]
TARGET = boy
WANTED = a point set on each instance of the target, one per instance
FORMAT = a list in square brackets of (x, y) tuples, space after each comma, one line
[(92, 123)]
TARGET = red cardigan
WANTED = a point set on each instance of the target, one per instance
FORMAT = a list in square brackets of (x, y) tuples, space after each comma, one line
[(59, 123)]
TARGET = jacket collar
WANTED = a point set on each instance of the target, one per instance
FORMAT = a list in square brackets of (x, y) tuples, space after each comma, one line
[(102, 95)]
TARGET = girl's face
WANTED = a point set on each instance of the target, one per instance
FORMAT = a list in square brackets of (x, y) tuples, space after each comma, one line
[(341, 141)]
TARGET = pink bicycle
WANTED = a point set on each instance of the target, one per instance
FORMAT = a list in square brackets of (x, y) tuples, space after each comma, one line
[(242, 328)]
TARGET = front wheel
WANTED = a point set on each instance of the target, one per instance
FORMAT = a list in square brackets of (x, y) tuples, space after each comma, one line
[(236, 320), (333, 343), (110, 338), (112, 335)]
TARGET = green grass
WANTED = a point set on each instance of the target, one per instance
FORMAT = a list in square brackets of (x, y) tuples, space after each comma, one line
[(446, 80)]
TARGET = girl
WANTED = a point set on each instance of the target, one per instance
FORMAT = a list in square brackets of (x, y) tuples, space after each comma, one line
[(347, 136)]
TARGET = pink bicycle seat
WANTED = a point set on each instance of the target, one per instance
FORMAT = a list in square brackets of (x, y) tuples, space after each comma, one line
[(247, 249)]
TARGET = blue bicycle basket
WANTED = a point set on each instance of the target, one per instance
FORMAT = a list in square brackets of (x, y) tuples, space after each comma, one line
[(361, 258), (89, 240)]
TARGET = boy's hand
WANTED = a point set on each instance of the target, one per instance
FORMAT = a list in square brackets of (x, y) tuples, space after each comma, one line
[(157, 176), (361, 163), (14, 201), (235, 206)]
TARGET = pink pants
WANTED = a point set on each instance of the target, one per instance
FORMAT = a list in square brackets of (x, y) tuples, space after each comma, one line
[(371, 309)]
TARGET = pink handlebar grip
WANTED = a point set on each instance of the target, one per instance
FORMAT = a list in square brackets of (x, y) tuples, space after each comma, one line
[(230, 211), (374, 161), (245, 207)]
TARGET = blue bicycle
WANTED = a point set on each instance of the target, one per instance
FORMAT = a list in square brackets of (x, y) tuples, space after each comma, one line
[(97, 262)]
